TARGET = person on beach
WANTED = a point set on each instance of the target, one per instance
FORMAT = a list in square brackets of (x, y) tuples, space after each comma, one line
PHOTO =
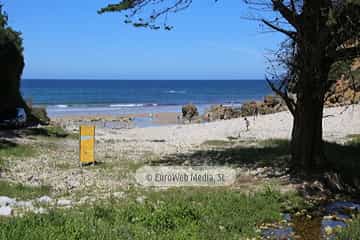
[(247, 122), (256, 112)]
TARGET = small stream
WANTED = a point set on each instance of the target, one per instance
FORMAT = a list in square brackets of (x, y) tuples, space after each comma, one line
[(314, 226)]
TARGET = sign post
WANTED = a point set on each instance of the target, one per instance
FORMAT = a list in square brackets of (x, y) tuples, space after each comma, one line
[(87, 145)]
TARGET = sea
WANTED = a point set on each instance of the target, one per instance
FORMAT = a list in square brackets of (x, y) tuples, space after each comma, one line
[(117, 97)]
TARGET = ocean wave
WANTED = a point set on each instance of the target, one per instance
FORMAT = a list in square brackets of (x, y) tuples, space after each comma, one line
[(61, 106), (176, 92), (126, 105)]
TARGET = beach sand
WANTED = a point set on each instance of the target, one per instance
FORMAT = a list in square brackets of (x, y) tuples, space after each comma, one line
[(120, 150), (338, 123)]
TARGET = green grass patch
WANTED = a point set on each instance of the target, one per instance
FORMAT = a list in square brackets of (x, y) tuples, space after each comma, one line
[(52, 131), (9, 150), (19, 191), (354, 139), (172, 214), (350, 232)]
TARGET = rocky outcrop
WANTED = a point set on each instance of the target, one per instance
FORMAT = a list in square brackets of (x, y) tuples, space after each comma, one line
[(189, 112), (270, 104), (220, 112), (343, 92)]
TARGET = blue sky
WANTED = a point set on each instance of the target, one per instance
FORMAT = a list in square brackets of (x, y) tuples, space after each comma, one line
[(68, 39)]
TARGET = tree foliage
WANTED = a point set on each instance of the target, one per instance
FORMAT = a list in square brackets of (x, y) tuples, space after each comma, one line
[(11, 68), (7, 34)]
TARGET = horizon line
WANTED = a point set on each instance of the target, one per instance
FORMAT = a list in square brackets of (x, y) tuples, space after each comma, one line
[(93, 79)]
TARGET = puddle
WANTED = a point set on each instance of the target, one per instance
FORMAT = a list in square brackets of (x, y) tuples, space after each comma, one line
[(310, 227)]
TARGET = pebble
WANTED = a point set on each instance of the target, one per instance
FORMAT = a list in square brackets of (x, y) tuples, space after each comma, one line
[(119, 194), (64, 202), (40, 210), (24, 204), (44, 199), (140, 199)]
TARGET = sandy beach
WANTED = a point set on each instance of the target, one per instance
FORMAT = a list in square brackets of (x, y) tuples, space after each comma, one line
[(338, 124), (123, 150)]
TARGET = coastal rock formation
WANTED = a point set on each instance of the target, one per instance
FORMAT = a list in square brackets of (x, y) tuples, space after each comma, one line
[(189, 111), (270, 104), (343, 92), (220, 112)]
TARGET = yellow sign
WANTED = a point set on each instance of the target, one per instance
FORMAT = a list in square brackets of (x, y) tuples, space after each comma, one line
[(87, 144)]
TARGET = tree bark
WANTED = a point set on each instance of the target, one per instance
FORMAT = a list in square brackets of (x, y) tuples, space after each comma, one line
[(307, 144)]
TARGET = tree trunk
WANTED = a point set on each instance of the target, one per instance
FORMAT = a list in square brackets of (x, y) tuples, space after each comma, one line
[(307, 143)]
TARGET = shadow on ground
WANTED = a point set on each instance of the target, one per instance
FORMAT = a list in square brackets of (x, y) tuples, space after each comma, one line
[(48, 131), (342, 159), (5, 144), (271, 152)]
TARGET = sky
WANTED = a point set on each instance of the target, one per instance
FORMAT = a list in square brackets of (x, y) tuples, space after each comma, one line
[(67, 39)]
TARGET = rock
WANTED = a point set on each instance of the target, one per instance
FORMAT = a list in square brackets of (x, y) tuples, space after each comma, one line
[(44, 199), (64, 202), (271, 104), (328, 230), (40, 210), (24, 204), (118, 194), (6, 201), (334, 182), (272, 101), (72, 183), (5, 211), (189, 111), (140, 199), (220, 112), (343, 92)]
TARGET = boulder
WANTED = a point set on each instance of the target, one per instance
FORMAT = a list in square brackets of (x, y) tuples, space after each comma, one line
[(343, 92), (6, 201), (220, 112), (271, 104), (272, 101), (64, 202), (189, 111), (5, 211), (44, 199)]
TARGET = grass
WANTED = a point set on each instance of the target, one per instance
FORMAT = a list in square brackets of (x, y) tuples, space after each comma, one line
[(51, 131), (171, 214), (351, 232), (19, 191), (9, 150), (354, 139)]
